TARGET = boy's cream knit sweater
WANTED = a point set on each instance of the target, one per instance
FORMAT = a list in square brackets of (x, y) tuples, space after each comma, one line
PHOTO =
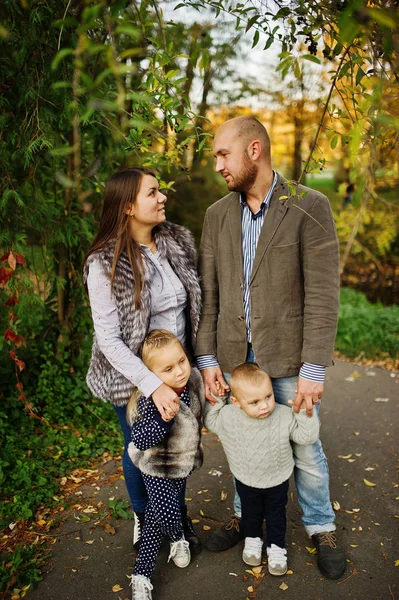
[(259, 451)]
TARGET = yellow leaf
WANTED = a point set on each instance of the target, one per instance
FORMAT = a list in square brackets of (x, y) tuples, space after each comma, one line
[(207, 499), (356, 510), (223, 495), (188, 499), (90, 542), (356, 433), (117, 588), (41, 522), (202, 513), (354, 545), (396, 563), (257, 569), (336, 505), (311, 550), (250, 589), (369, 483), (346, 456), (290, 572), (283, 586), (351, 460), (195, 521), (206, 528), (74, 570)]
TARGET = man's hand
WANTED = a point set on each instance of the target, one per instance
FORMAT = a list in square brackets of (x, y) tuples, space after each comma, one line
[(214, 383), (307, 394), (167, 402)]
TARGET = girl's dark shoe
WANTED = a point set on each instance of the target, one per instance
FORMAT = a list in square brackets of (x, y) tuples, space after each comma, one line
[(226, 537), (331, 559), (189, 533), (138, 529)]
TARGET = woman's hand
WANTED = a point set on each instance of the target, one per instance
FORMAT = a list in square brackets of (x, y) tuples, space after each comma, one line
[(167, 402)]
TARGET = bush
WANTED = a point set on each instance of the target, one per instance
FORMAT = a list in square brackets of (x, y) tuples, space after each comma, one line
[(370, 329)]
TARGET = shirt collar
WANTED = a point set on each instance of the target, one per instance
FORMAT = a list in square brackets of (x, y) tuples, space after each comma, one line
[(265, 202)]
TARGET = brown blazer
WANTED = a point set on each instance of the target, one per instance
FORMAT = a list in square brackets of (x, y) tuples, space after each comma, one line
[(294, 286)]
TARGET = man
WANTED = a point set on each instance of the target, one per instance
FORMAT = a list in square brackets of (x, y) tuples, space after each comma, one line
[(269, 266)]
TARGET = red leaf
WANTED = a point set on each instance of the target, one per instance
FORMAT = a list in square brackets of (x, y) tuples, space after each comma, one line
[(20, 386), (9, 335), (20, 259), (12, 301), (5, 275), (19, 341), (5, 256), (22, 397), (13, 355), (20, 364)]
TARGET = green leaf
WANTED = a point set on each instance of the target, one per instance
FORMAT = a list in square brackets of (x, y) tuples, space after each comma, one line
[(60, 56), (256, 39), (132, 32), (383, 17), (334, 142), (312, 58), (251, 22)]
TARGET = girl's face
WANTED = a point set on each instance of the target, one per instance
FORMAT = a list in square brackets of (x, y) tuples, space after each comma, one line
[(149, 206), (171, 365)]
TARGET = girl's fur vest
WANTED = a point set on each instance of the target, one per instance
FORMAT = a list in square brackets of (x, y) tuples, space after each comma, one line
[(176, 244), (180, 450)]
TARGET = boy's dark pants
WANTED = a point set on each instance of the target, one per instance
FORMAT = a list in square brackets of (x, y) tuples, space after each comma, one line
[(269, 504)]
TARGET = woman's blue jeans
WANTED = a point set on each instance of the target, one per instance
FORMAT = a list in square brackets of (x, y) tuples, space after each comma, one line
[(311, 469), (133, 478)]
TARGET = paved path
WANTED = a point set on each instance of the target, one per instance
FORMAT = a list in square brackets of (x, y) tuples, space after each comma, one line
[(360, 438)]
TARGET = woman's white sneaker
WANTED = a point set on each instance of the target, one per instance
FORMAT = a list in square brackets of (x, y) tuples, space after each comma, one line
[(180, 553), (276, 560), (252, 553), (141, 587)]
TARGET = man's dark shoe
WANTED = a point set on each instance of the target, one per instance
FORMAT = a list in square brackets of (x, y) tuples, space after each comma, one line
[(189, 533), (331, 559), (226, 537)]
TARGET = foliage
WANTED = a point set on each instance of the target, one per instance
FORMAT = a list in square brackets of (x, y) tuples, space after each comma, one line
[(365, 329), (120, 509)]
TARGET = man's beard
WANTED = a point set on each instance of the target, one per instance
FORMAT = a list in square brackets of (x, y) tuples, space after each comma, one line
[(246, 178)]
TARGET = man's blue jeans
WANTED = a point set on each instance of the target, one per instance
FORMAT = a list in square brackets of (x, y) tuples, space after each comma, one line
[(311, 469), (133, 478)]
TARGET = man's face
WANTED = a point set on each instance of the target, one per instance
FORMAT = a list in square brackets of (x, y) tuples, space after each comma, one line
[(233, 161), (257, 401)]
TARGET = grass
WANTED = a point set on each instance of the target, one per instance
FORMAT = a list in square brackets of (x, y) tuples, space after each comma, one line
[(366, 329)]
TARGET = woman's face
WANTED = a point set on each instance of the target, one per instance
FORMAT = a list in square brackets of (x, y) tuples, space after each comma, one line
[(149, 207)]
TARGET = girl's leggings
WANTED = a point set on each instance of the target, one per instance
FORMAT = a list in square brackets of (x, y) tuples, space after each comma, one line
[(162, 519)]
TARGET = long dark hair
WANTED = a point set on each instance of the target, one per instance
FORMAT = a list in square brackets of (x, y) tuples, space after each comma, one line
[(120, 193)]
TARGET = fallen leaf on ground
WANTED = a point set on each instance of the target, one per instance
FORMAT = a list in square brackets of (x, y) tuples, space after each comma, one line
[(311, 550), (206, 528), (346, 456), (369, 483), (215, 473), (396, 563), (223, 495), (234, 574), (350, 379), (336, 505), (250, 589), (354, 545), (195, 521), (381, 400), (370, 373), (257, 569), (90, 542), (109, 529), (351, 460), (369, 469), (117, 588), (290, 572), (356, 433), (283, 586), (356, 510)]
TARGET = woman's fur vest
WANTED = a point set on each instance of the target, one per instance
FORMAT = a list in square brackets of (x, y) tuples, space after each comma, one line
[(181, 450), (176, 244)]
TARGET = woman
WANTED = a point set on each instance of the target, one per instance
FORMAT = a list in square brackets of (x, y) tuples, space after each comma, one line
[(140, 274)]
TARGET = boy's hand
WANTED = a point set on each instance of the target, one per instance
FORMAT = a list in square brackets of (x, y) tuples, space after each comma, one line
[(167, 402), (308, 393)]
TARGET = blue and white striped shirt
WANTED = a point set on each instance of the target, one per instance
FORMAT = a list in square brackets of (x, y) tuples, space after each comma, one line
[(251, 226)]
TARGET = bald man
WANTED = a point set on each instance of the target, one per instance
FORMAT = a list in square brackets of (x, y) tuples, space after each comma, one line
[(269, 265)]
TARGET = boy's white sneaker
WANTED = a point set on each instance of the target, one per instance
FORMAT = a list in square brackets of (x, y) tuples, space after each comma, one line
[(252, 553), (141, 587), (180, 553), (276, 560)]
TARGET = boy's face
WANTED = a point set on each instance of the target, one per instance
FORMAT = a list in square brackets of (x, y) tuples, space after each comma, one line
[(256, 400), (171, 365)]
